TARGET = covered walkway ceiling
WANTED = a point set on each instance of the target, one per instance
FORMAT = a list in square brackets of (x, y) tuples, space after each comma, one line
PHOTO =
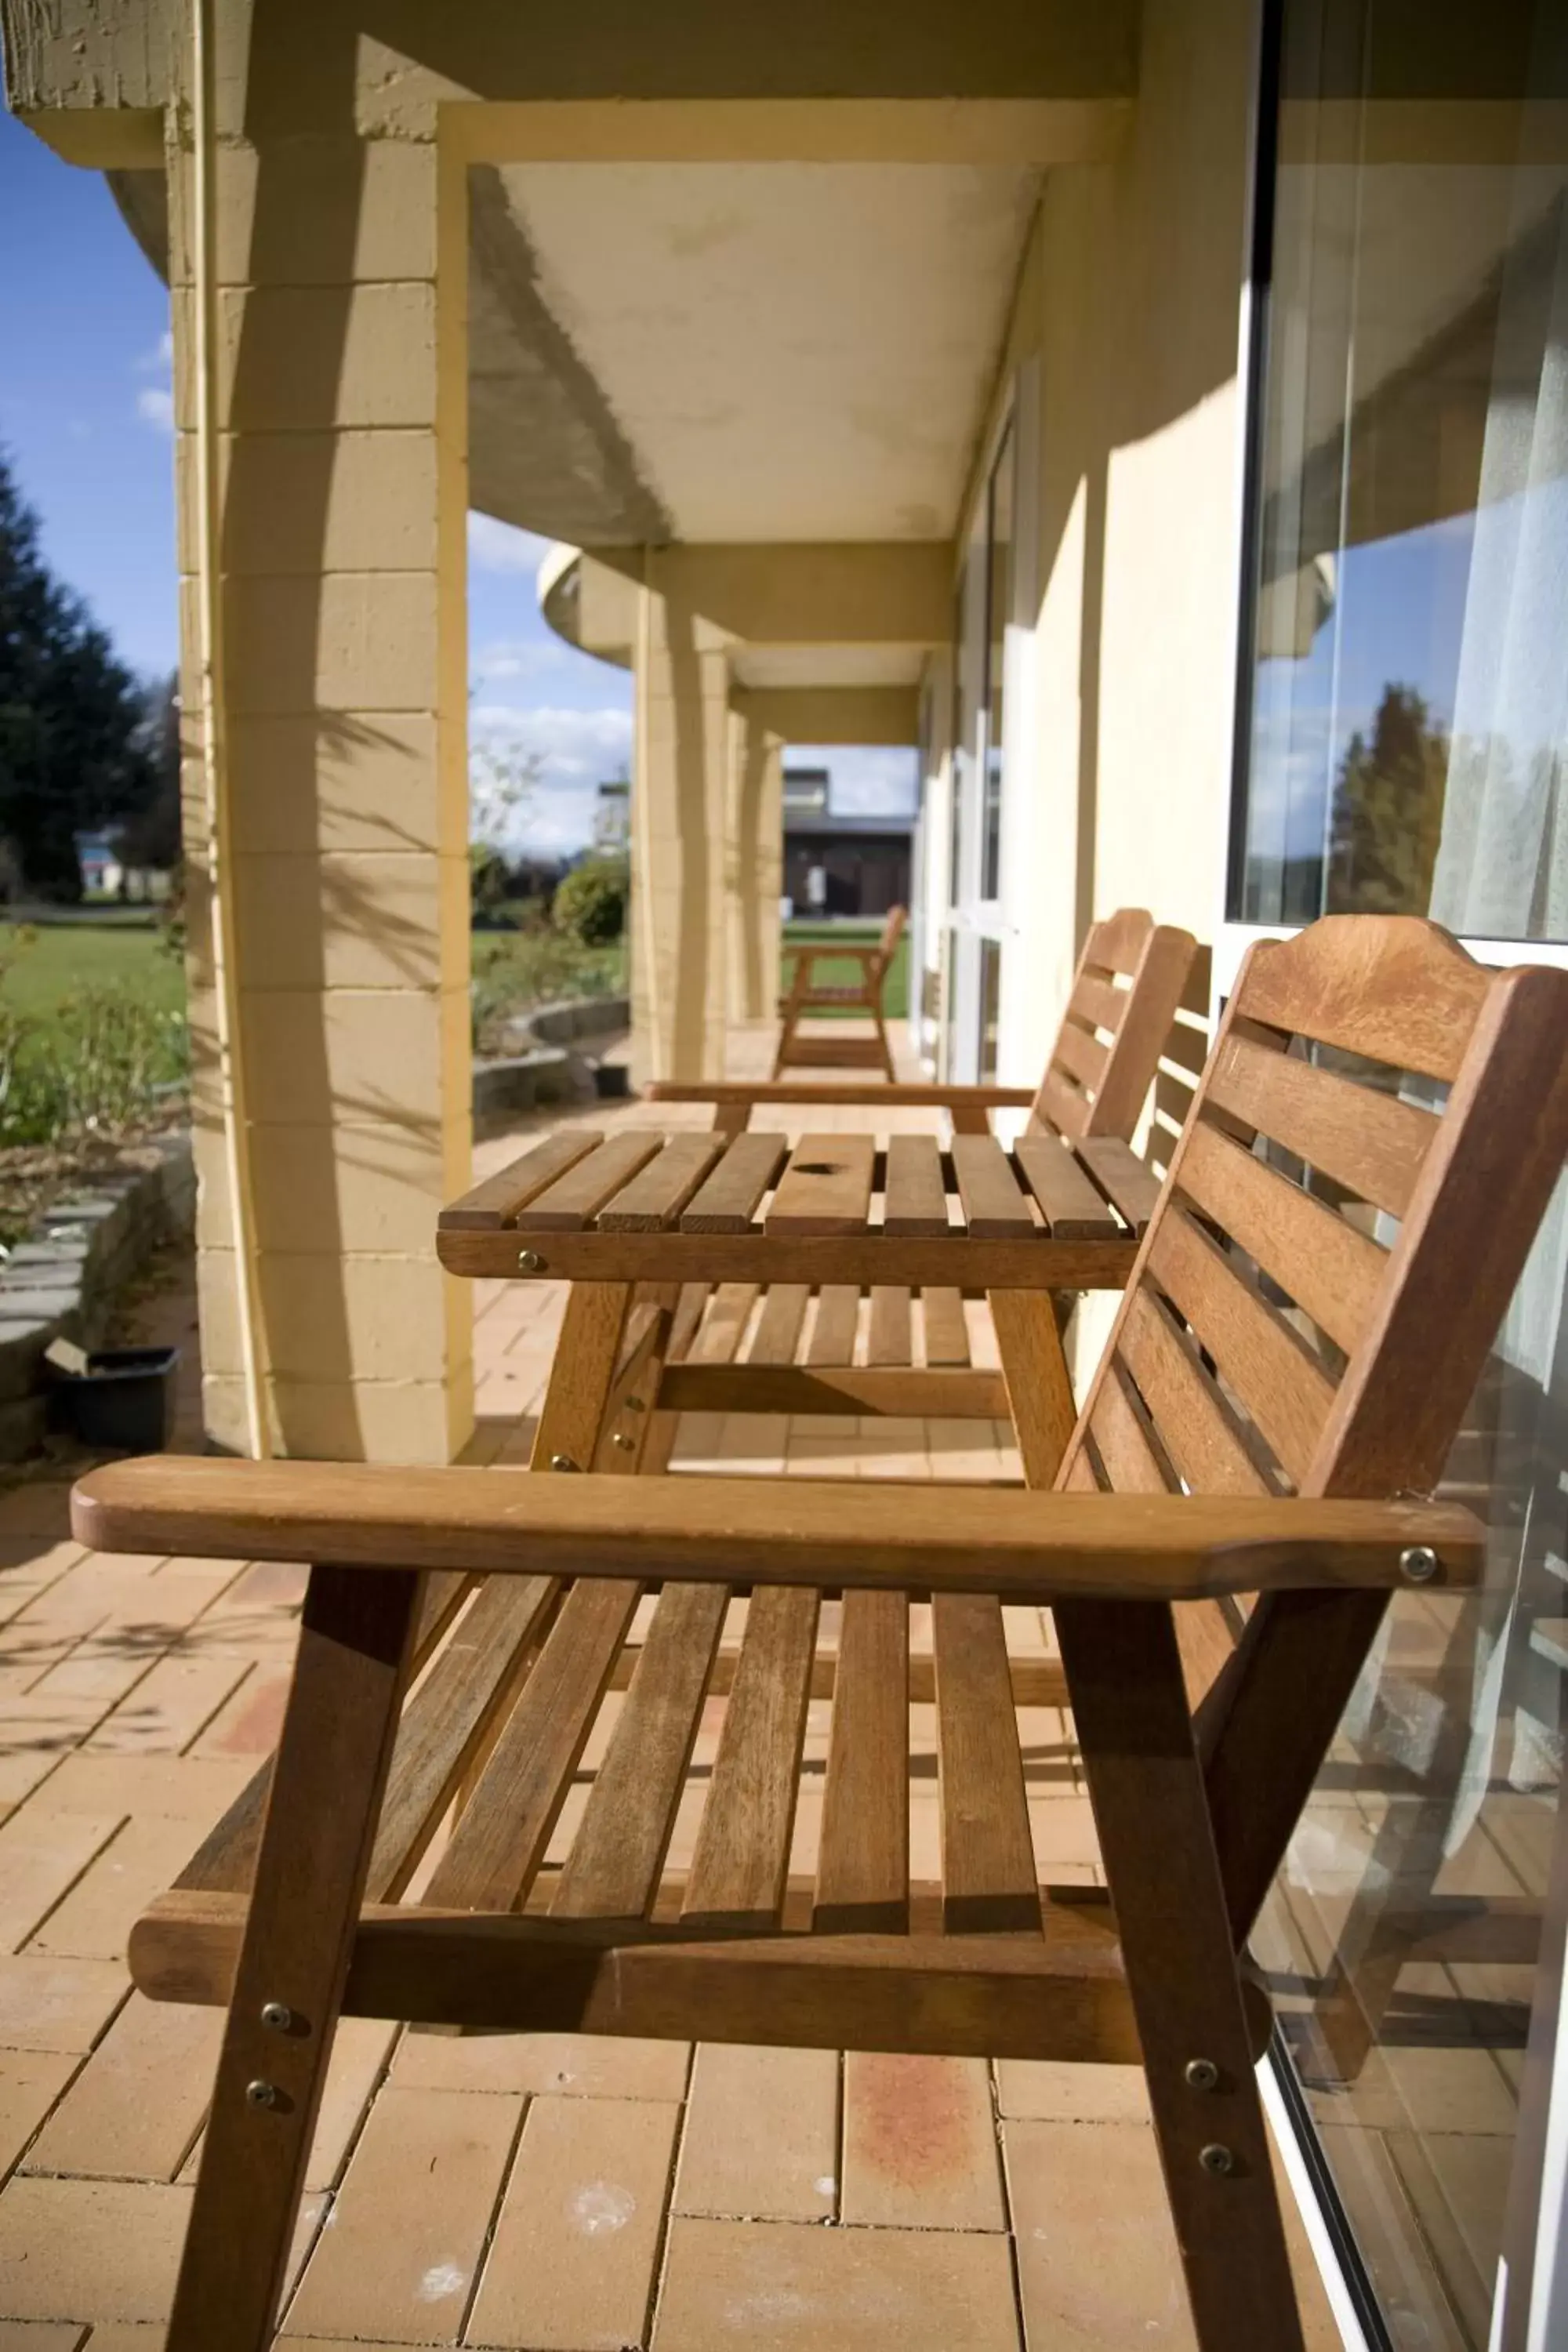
[(736, 351)]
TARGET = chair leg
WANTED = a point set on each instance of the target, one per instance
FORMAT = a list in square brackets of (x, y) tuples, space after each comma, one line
[(1129, 1706), (327, 1786)]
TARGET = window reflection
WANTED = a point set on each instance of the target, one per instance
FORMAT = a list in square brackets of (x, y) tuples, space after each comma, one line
[(1410, 700)]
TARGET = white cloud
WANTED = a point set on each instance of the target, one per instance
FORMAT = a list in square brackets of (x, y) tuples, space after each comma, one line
[(497, 546), (514, 658), (155, 402), (576, 750)]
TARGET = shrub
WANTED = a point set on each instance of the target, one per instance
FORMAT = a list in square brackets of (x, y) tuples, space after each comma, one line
[(94, 1067), (590, 901), (515, 970)]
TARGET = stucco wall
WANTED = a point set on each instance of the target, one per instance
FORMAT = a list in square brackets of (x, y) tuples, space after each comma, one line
[(1125, 334)]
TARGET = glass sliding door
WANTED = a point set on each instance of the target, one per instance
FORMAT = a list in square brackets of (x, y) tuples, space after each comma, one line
[(1406, 750), (985, 615)]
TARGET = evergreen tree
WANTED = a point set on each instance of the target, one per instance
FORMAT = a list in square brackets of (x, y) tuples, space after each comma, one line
[(1388, 811), (72, 754), (151, 836)]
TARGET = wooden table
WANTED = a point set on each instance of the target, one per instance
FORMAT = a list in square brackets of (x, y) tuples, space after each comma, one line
[(644, 1222)]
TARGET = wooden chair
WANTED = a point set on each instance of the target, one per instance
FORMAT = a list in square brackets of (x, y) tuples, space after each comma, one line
[(1133, 977), (803, 997), (1211, 1638)]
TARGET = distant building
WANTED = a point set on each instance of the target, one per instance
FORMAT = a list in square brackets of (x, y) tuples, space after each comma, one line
[(612, 816), (842, 866)]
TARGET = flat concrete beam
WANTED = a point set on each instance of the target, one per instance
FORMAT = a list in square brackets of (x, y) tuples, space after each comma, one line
[(892, 592), (1031, 131), (832, 714), (102, 138)]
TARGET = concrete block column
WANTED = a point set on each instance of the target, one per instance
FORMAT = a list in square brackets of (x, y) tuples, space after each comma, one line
[(336, 382), (681, 808), (753, 867)]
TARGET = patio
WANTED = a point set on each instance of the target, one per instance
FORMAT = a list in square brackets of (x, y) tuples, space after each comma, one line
[(507, 2191)]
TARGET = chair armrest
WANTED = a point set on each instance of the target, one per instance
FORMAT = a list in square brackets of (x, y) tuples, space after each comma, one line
[(900, 1096), (776, 1531)]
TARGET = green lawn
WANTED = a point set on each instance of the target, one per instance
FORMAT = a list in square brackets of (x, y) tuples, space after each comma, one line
[(840, 972), (93, 948)]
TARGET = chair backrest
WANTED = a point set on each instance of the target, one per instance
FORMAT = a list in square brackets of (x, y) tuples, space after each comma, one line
[(1129, 981), (892, 932), (1316, 1321)]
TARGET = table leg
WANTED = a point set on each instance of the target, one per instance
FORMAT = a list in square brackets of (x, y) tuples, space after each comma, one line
[(1039, 1391), (582, 1376)]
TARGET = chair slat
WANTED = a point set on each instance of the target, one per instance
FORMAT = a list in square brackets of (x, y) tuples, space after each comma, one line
[(500, 1841), (863, 1868), (987, 1854), (891, 1339), (1116, 943), (1195, 1428), (833, 1333), (826, 1187), (1372, 1143), (1068, 1203), (994, 1207), (1122, 1439), (1262, 1361), (779, 1324), (660, 1189), (225, 1862), (727, 1203), (575, 1198), (723, 1326), (446, 1722), (1116, 1168), (613, 1869), (1060, 1104), (1077, 1051), (1097, 1000), (1391, 990), (916, 1203), (1331, 1271), (496, 1201), (946, 1326), (741, 1865)]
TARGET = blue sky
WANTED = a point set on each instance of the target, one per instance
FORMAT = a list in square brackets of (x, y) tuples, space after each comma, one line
[(84, 419)]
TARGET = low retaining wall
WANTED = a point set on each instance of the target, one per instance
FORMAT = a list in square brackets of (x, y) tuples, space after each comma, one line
[(63, 1280), (552, 1061)]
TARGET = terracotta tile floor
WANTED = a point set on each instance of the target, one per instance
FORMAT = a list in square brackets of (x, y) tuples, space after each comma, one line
[(528, 2190)]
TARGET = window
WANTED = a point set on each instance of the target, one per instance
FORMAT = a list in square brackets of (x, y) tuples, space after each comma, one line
[(1403, 751), (998, 612), (1409, 721)]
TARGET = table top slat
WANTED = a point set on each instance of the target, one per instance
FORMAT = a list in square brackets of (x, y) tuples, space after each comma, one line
[(727, 1203), (825, 1189), (574, 1200), (1071, 1207), (994, 1208), (916, 1201), (496, 1201), (656, 1194)]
